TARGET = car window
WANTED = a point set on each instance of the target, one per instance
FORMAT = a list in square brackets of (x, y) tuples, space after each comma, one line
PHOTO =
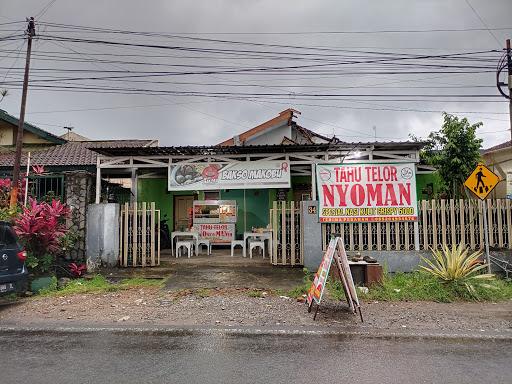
[(7, 236)]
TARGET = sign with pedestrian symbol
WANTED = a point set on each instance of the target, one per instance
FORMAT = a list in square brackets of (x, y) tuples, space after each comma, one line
[(482, 181)]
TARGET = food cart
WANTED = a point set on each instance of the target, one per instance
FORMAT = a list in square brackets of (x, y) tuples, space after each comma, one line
[(215, 220)]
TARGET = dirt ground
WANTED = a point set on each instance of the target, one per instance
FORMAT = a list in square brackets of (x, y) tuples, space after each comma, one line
[(224, 307)]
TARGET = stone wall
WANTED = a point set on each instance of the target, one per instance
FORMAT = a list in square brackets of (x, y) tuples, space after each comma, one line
[(79, 188)]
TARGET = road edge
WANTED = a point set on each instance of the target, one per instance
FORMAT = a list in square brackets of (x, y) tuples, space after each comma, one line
[(176, 331)]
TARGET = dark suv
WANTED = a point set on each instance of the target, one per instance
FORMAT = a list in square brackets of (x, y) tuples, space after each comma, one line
[(13, 272)]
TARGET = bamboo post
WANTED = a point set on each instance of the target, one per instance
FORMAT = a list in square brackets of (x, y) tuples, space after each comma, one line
[(152, 224), (158, 237), (481, 223), (283, 232), (424, 218), (443, 222), (274, 229), (472, 242), (120, 256), (500, 224), (434, 225), (135, 235), (462, 222), (292, 232), (453, 224), (144, 234)]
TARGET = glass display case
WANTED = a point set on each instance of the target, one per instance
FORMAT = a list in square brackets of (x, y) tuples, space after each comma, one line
[(215, 220), (214, 211)]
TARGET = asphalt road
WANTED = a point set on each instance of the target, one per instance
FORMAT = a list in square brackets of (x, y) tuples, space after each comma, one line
[(216, 358)]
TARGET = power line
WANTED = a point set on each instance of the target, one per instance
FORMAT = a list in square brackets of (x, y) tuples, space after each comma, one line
[(475, 29), (483, 22)]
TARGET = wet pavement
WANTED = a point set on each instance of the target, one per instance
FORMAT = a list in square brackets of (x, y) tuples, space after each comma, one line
[(219, 270), (107, 357)]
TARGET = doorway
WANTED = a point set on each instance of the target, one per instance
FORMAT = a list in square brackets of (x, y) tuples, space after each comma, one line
[(182, 207)]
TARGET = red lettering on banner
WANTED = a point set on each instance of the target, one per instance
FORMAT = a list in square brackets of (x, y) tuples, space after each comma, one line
[(387, 173), (405, 194), (357, 195), (328, 194), (390, 195), (374, 194), (342, 194)]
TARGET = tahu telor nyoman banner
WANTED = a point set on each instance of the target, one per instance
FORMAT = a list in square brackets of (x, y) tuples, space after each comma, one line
[(367, 192)]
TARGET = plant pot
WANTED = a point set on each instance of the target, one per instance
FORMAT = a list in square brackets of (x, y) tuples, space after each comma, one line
[(40, 283)]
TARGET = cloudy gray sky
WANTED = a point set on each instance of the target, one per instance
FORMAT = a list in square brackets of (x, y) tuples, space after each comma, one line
[(319, 57)]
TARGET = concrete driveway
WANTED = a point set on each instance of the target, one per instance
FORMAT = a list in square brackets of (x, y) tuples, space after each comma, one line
[(219, 270)]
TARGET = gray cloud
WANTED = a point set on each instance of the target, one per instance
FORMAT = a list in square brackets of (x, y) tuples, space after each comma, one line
[(207, 121)]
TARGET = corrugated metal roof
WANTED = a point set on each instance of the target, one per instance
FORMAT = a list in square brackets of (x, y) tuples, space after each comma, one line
[(255, 149)]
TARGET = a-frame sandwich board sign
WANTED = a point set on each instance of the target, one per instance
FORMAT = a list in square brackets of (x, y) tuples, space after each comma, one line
[(335, 252)]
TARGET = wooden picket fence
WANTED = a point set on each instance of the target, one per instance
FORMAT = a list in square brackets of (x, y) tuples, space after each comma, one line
[(286, 222), (139, 236), (441, 222)]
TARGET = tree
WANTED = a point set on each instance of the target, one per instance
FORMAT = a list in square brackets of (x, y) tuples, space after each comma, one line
[(454, 151)]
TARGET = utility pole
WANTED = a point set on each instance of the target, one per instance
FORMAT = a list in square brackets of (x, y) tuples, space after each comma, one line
[(30, 32), (509, 81)]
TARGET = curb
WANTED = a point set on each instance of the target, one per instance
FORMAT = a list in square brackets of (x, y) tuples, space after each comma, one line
[(178, 331)]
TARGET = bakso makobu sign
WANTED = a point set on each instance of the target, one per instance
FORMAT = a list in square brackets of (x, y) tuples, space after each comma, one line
[(367, 192), (236, 175)]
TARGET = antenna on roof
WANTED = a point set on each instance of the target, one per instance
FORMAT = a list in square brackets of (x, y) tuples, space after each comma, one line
[(69, 131)]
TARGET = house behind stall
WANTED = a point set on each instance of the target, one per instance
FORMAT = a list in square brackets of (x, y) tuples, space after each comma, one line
[(69, 168)]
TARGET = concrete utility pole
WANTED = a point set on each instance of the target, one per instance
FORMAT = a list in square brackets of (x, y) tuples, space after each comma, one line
[(30, 32), (509, 81)]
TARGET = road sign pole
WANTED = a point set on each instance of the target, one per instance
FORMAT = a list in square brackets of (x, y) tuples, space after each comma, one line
[(486, 237)]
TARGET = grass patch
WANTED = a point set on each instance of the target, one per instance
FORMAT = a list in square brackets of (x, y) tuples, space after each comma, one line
[(203, 292), (255, 293), (135, 282), (97, 284), (420, 286)]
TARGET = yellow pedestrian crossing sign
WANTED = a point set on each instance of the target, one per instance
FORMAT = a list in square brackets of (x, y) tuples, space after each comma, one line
[(482, 181)]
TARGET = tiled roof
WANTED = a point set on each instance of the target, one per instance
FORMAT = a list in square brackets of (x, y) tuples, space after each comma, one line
[(75, 153), (504, 145)]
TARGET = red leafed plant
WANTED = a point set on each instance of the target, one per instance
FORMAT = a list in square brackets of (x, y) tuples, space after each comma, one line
[(38, 169), (41, 226), (77, 270)]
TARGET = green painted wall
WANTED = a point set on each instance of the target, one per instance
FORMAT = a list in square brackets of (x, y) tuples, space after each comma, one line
[(150, 190), (422, 180), (256, 207)]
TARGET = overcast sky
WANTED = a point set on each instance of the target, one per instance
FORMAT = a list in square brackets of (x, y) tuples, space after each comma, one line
[(200, 120)]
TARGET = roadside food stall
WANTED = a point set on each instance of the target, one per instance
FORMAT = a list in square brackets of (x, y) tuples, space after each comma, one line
[(215, 220)]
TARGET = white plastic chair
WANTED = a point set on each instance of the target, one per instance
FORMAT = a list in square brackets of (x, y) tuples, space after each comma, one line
[(188, 244), (257, 244), (235, 243), (205, 242)]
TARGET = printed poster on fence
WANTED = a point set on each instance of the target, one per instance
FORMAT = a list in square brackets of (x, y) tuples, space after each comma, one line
[(367, 192), (235, 175)]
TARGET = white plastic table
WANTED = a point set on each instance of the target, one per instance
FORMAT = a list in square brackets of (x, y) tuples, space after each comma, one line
[(194, 235), (262, 235)]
